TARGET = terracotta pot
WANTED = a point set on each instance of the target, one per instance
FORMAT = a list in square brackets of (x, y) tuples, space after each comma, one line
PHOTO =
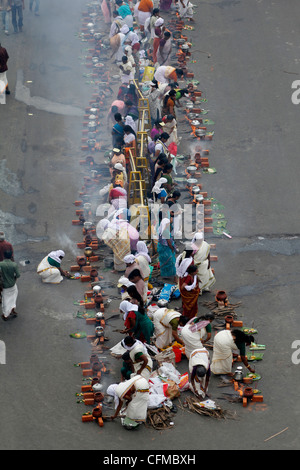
[(98, 397), (96, 366), (229, 318), (81, 261), (94, 273), (97, 412), (94, 381), (248, 392), (94, 358)]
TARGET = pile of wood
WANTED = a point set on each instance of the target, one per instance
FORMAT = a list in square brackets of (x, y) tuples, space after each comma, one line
[(216, 310), (194, 405), (160, 418)]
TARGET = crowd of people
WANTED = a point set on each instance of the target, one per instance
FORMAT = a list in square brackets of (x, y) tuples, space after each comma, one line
[(138, 31)]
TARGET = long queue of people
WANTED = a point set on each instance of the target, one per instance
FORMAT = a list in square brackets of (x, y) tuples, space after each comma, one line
[(137, 32)]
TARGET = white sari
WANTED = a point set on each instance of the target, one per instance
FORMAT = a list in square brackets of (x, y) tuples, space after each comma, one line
[(162, 327), (140, 348), (49, 274), (223, 352), (199, 357), (205, 275), (192, 339), (137, 407)]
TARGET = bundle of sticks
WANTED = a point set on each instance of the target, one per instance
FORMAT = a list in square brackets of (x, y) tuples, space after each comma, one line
[(228, 310), (193, 404), (160, 418)]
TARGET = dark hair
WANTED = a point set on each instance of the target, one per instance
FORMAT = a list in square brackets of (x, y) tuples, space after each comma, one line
[(192, 268), (129, 340), (114, 109), (126, 356), (183, 320), (118, 117), (164, 135), (176, 193), (179, 72), (129, 129), (207, 316), (241, 337), (8, 254), (200, 371), (134, 273), (168, 166), (155, 10), (134, 294), (167, 33), (124, 57)]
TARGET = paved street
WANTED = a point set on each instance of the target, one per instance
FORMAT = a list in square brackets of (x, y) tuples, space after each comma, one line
[(254, 58)]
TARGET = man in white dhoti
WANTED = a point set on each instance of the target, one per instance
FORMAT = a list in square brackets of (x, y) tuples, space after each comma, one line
[(9, 273)]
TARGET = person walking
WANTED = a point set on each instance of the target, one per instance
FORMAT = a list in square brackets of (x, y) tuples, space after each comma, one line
[(9, 291), (37, 7), (5, 8), (17, 7), (3, 69), (5, 246)]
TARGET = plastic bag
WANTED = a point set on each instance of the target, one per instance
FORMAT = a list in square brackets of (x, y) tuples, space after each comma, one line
[(168, 371)]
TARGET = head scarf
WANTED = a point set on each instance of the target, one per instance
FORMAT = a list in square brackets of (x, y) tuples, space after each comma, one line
[(157, 187), (127, 307), (103, 224), (55, 255), (124, 29), (159, 22), (129, 348), (129, 259), (124, 281), (197, 240), (142, 250), (164, 223), (182, 264)]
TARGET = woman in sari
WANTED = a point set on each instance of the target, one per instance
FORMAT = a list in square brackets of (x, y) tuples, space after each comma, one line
[(166, 249), (189, 291), (199, 371), (164, 49), (159, 193), (124, 11), (195, 333), (129, 138), (167, 74), (226, 343), (116, 44), (116, 237), (142, 362), (117, 197), (166, 322), (202, 261), (142, 287), (136, 323), (133, 394), (168, 107), (143, 260), (158, 35), (50, 268), (185, 9)]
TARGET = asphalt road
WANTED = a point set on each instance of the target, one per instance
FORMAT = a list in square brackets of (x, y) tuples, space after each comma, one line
[(247, 81)]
